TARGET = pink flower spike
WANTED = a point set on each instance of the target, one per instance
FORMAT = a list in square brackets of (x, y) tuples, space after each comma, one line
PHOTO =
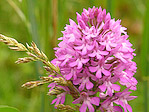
[(95, 55)]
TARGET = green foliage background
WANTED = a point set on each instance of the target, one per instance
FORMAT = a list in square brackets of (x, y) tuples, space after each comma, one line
[(37, 20)]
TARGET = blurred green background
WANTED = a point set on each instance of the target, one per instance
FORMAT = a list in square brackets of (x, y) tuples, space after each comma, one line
[(42, 21)]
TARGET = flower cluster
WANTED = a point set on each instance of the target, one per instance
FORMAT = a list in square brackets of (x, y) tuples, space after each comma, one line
[(96, 56)]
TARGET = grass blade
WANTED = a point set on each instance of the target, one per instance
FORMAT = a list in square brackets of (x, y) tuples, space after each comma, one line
[(145, 56), (20, 14)]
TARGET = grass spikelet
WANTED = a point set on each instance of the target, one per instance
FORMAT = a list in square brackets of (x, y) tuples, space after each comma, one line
[(55, 92), (65, 108), (33, 84), (46, 79), (25, 60), (36, 50), (60, 81), (14, 45)]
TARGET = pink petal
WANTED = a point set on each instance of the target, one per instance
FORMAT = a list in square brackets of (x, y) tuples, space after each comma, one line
[(62, 57), (121, 103), (87, 37), (63, 99), (72, 64), (90, 107), (99, 19), (92, 54), (78, 16), (82, 24), (79, 65), (81, 87), (79, 47), (99, 56), (69, 76), (129, 107), (102, 87), (107, 66), (98, 73), (77, 81), (113, 44), (122, 59), (104, 52), (52, 85), (131, 98), (64, 62), (105, 72), (103, 43), (84, 51), (74, 75), (108, 48), (58, 100), (89, 47), (61, 38), (71, 39), (84, 60), (77, 101), (116, 87), (54, 101), (123, 79), (89, 85), (72, 23), (93, 69), (108, 17), (83, 107), (106, 25), (109, 91), (118, 109), (95, 101)]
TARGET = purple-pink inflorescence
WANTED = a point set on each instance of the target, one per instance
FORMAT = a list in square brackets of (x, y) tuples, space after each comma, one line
[(96, 56)]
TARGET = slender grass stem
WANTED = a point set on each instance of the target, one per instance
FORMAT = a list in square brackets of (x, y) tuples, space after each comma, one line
[(55, 16), (145, 56), (20, 14)]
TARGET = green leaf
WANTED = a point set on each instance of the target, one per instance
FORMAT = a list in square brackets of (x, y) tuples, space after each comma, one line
[(8, 109)]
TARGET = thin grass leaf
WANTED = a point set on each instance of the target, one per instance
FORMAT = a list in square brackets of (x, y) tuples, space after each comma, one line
[(20, 13), (145, 56), (8, 109)]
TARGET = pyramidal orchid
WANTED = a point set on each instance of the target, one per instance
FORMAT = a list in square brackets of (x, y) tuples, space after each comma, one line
[(96, 56), (93, 64)]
